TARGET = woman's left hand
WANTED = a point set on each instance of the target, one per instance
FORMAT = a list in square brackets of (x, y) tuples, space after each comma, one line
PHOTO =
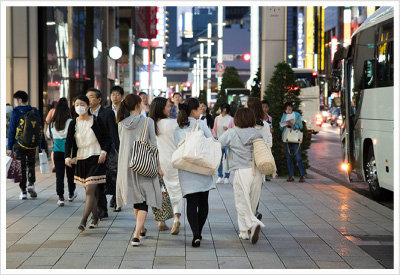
[(102, 158)]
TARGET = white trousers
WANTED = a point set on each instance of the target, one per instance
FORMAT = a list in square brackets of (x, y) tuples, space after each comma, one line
[(175, 195), (247, 189)]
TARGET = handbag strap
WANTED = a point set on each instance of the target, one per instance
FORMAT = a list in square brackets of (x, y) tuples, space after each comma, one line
[(144, 131), (289, 149)]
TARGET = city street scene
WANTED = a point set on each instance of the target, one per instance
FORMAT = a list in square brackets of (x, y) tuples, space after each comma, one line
[(199, 137)]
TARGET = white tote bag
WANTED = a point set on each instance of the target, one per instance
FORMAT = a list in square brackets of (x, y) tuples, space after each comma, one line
[(44, 163), (202, 158)]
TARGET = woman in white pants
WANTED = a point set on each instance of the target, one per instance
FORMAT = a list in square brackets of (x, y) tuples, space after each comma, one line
[(159, 112), (247, 180)]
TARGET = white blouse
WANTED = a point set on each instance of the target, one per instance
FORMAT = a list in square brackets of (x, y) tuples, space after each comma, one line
[(166, 146), (86, 140)]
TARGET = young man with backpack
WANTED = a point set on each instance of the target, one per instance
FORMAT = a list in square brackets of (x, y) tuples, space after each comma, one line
[(24, 135)]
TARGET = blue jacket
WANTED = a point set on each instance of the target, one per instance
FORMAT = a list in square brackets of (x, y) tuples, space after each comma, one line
[(298, 124), (14, 120)]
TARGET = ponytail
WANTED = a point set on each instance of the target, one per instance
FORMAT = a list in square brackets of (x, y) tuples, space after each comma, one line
[(127, 105), (185, 110)]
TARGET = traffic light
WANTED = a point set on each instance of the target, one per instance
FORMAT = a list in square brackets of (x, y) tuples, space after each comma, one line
[(245, 57)]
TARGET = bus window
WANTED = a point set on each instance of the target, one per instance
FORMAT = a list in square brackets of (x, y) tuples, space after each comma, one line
[(364, 59), (306, 80), (385, 56)]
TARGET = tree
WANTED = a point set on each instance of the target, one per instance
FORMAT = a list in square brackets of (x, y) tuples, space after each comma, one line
[(230, 79), (203, 96), (282, 88), (256, 88)]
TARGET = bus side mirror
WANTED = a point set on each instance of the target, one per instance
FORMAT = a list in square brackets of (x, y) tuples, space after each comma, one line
[(336, 84)]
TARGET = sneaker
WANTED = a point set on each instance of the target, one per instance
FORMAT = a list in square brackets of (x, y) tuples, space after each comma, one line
[(60, 202), (142, 235), (135, 242), (31, 191), (226, 181), (244, 236), (22, 196), (220, 180), (71, 198), (302, 179)]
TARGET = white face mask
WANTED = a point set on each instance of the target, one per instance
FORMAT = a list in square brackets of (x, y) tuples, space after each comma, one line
[(80, 110)]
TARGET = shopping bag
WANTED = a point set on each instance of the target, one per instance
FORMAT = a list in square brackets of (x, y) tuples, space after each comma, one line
[(166, 212), (8, 162), (44, 163), (15, 171)]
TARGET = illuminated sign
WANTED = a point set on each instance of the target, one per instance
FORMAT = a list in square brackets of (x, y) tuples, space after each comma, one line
[(346, 26), (300, 40), (310, 38), (370, 10), (333, 47), (186, 25)]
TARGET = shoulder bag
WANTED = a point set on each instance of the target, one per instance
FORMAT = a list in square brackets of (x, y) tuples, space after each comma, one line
[(293, 136), (263, 158), (144, 156), (166, 212)]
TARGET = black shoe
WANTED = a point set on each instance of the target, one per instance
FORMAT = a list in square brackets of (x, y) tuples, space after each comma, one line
[(117, 209), (142, 235), (196, 241), (135, 242), (259, 216), (103, 214)]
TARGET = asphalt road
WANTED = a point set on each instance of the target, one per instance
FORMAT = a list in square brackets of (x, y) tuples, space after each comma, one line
[(325, 157)]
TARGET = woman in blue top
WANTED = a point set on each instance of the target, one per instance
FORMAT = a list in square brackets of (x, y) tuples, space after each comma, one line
[(292, 148), (195, 187), (57, 131)]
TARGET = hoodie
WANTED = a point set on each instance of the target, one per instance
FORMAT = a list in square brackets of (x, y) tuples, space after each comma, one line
[(240, 144), (14, 121)]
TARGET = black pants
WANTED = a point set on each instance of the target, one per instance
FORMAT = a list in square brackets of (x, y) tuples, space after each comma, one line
[(27, 158), (101, 198), (59, 163), (197, 211)]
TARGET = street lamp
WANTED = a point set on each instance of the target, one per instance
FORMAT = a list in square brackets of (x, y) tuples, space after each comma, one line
[(115, 53)]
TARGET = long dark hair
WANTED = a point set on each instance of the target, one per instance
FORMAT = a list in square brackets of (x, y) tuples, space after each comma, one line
[(127, 105), (185, 109), (254, 104), (61, 115), (156, 112)]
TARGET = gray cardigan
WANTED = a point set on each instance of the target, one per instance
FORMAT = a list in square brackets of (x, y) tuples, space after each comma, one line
[(240, 144)]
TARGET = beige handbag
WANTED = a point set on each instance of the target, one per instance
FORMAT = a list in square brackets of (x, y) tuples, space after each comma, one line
[(293, 136), (263, 157)]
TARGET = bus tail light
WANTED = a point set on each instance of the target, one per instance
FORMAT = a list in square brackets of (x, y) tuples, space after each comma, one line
[(345, 167)]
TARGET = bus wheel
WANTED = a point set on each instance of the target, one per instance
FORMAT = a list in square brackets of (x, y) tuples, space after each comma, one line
[(371, 175)]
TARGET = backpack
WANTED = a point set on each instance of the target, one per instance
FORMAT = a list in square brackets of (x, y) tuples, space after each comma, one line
[(29, 131)]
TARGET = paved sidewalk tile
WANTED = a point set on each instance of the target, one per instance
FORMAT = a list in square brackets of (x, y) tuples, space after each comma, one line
[(318, 224)]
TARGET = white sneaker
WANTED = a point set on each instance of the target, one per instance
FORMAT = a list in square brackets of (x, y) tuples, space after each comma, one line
[(22, 196), (226, 181), (74, 196), (244, 236), (60, 202), (220, 180)]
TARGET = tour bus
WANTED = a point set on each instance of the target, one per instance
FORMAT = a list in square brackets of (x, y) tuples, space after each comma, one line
[(363, 74), (307, 79)]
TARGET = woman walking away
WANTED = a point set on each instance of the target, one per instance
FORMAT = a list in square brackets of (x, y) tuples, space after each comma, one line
[(195, 187), (263, 127), (159, 112), (222, 123), (133, 188), (247, 180), (292, 148), (57, 131), (88, 143)]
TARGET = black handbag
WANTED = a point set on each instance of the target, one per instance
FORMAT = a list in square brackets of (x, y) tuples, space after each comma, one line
[(111, 182), (112, 158)]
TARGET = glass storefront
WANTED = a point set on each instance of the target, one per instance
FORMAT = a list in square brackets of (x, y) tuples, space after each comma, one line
[(72, 55)]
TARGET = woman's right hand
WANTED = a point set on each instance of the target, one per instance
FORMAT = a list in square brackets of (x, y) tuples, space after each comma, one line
[(225, 128), (68, 163)]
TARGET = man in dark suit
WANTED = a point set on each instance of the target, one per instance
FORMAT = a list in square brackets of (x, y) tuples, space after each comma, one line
[(117, 95), (108, 117)]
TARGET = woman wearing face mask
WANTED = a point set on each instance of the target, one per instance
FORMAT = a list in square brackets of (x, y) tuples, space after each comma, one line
[(195, 187), (89, 144), (292, 148)]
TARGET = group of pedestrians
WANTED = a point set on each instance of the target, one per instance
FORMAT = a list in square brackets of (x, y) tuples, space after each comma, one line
[(83, 143)]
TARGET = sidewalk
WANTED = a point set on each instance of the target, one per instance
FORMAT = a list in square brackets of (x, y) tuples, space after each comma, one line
[(317, 224)]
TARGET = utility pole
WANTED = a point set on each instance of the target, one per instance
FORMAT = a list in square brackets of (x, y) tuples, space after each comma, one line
[(254, 45), (209, 34), (220, 33), (201, 66)]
